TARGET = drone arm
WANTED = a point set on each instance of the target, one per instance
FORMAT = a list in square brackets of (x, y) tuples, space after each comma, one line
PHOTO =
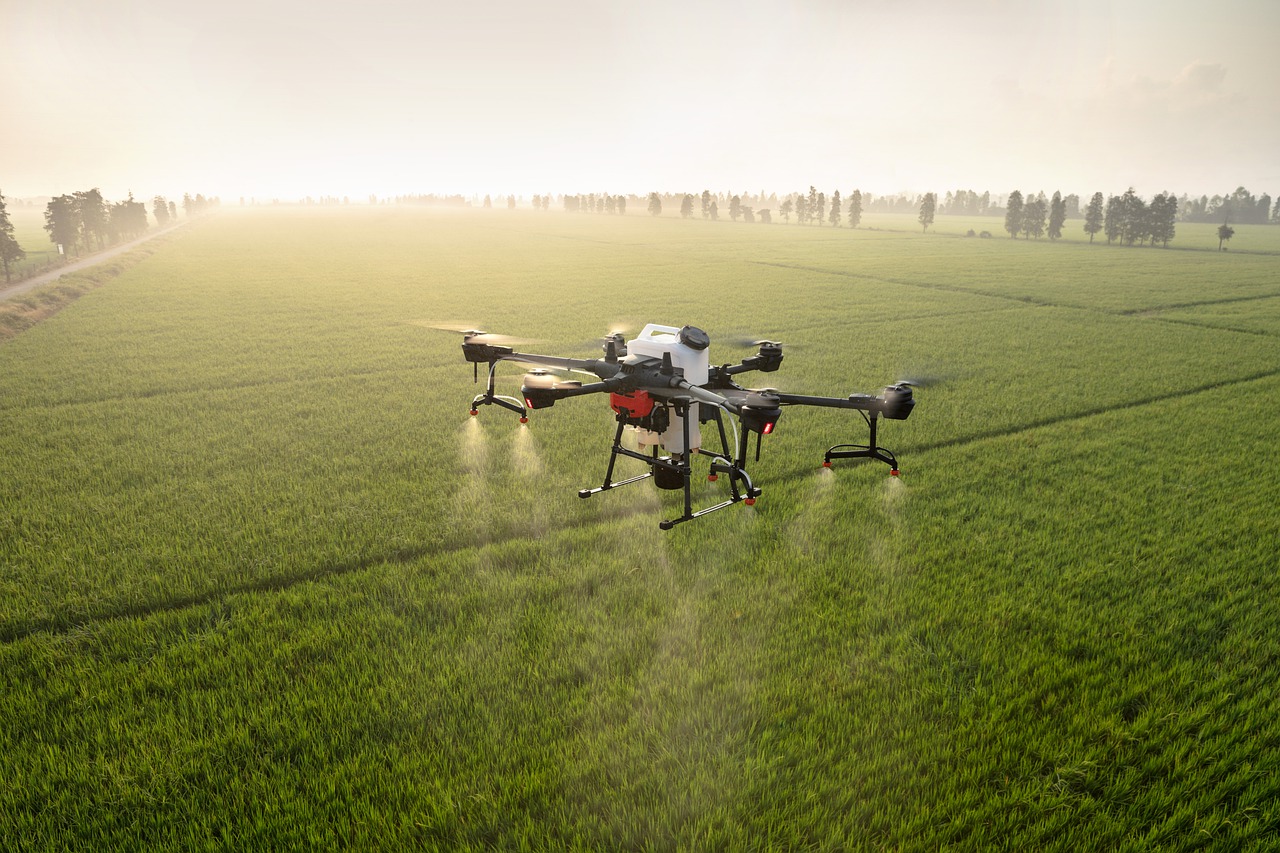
[(603, 369), (895, 402)]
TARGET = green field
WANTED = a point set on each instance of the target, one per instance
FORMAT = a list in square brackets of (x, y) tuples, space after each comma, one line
[(264, 584)]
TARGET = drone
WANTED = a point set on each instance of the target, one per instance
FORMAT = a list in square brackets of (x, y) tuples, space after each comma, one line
[(662, 386)]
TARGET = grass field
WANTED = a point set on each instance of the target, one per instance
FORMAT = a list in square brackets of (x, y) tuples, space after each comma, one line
[(264, 583)]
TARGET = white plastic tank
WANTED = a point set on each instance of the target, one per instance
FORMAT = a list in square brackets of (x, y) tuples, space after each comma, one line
[(689, 352), (688, 348)]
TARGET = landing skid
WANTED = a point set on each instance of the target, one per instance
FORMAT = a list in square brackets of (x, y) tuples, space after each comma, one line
[(677, 473)]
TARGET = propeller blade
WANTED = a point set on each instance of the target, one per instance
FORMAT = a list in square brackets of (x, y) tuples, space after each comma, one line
[(473, 334)]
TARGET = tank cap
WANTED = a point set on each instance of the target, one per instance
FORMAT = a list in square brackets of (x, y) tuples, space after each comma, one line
[(694, 338)]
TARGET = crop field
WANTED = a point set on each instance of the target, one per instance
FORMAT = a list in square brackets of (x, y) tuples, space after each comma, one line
[(264, 583)]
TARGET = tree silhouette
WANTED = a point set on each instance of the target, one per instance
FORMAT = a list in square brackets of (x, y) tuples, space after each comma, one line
[(1093, 216), (1113, 218), (1034, 214), (735, 208), (927, 207), (655, 205), (1057, 216), (10, 251), (706, 204), (785, 209), (686, 206), (715, 211), (61, 222), (855, 208), (1013, 214), (91, 210), (820, 213), (1225, 233), (160, 210), (834, 218)]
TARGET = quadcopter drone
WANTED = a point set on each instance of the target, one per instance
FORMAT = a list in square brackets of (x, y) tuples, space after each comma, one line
[(662, 385)]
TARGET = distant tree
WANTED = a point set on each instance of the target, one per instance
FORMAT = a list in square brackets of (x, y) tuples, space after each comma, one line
[(1013, 214), (1275, 212), (927, 208), (1071, 205), (511, 202), (735, 208), (188, 205), (1113, 218), (785, 209), (62, 223), (91, 210), (765, 218), (820, 213), (160, 210), (10, 251), (622, 205), (1093, 216), (715, 211), (802, 210), (855, 208), (1161, 216), (1133, 217), (1225, 233), (836, 212), (811, 207), (655, 205), (488, 202), (686, 206), (1057, 216), (706, 204), (1034, 213), (173, 212), (748, 215)]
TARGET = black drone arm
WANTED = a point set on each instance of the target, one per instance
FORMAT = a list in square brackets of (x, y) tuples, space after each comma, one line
[(894, 402), (545, 398)]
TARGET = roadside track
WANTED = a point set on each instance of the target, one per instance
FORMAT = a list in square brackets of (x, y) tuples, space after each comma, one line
[(84, 263)]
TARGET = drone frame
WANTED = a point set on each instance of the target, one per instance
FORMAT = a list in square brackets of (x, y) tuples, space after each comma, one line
[(757, 412)]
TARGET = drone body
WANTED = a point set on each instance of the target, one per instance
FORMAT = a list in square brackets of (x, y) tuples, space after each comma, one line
[(662, 385)]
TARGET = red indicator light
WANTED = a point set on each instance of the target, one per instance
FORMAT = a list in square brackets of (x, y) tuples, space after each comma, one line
[(768, 428), (529, 403)]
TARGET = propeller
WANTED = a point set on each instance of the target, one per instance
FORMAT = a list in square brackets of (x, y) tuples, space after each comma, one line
[(474, 335)]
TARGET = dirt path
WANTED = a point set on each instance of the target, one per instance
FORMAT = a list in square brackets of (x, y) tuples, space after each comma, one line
[(53, 275)]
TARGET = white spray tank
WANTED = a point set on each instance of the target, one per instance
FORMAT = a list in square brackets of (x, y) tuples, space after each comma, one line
[(688, 349)]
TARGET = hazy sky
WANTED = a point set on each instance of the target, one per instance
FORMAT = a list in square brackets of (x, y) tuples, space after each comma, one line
[(311, 97)]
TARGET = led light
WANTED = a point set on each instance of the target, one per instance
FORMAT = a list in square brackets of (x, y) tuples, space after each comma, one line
[(768, 428), (529, 403)]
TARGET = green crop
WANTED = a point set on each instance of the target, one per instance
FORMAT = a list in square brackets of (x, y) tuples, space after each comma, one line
[(265, 584)]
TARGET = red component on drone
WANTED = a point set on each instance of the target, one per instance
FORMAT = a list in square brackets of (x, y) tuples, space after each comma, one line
[(635, 405)]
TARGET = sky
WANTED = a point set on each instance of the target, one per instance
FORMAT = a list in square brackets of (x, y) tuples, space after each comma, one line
[(290, 98)]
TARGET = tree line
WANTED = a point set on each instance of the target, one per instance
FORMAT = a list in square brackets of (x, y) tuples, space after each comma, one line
[(84, 221)]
